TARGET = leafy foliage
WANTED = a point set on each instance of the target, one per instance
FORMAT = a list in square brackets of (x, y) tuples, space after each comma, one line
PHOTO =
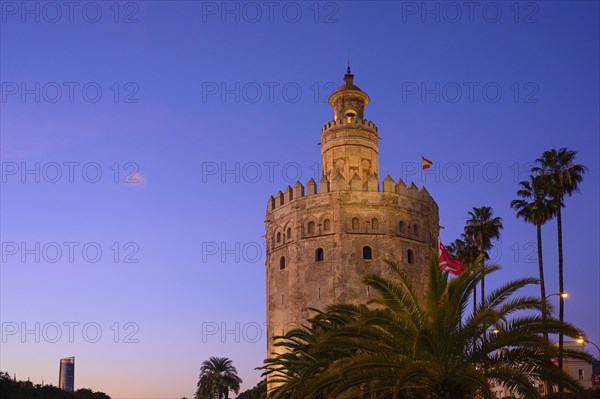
[(400, 345), (217, 378), (483, 227), (257, 392), (11, 389), (535, 205)]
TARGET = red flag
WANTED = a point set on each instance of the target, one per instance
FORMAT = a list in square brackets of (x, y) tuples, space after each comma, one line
[(425, 163), (449, 264)]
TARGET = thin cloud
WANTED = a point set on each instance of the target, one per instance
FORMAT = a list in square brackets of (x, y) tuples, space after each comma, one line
[(136, 180)]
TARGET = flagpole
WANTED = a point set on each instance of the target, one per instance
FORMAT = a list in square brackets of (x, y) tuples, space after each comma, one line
[(423, 175), (439, 240)]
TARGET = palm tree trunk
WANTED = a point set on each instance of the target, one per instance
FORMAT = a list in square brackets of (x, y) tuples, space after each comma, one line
[(561, 311), (483, 275), (474, 298), (547, 385), (541, 272), (482, 280)]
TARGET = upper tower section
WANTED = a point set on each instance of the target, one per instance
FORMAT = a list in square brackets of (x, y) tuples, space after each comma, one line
[(350, 143), (348, 101)]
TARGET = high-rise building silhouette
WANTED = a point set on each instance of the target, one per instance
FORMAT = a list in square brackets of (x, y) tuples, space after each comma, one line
[(66, 374)]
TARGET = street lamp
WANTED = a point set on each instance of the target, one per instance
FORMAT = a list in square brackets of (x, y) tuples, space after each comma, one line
[(583, 341), (563, 295)]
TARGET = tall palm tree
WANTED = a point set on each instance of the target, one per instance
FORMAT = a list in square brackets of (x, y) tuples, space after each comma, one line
[(563, 177), (483, 227), (399, 346), (535, 206), (465, 251), (217, 378)]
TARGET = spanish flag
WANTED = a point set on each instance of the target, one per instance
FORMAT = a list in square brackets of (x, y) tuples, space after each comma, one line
[(426, 162)]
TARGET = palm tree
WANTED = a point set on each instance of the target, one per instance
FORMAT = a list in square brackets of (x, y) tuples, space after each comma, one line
[(562, 177), (483, 227), (537, 208), (466, 252), (217, 378), (403, 347)]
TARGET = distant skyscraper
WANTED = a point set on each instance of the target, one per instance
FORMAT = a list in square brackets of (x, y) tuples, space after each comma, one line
[(66, 374)]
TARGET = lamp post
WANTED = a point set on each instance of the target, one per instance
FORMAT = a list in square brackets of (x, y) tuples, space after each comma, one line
[(563, 295), (584, 341)]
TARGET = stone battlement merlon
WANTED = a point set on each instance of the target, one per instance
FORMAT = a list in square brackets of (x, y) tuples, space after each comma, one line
[(350, 122), (356, 185)]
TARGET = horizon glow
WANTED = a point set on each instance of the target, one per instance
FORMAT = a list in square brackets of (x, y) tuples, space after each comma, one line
[(140, 142)]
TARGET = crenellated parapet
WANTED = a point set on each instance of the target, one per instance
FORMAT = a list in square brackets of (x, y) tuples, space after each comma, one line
[(344, 123), (356, 184)]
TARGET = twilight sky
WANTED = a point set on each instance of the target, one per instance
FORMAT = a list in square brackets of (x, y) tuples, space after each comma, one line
[(141, 141)]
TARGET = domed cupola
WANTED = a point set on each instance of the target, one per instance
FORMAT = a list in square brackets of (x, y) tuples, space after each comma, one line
[(348, 101)]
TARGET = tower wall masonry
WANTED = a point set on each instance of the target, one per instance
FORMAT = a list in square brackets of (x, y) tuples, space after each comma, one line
[(325, 237)]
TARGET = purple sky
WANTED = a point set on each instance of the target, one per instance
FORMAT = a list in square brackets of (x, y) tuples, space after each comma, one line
[(200, 118)]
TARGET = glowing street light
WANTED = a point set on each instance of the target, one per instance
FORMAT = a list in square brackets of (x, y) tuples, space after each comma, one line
[(583, 341), (563, 295)]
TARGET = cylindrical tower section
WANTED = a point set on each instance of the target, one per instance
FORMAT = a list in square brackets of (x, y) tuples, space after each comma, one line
[(349, 143)]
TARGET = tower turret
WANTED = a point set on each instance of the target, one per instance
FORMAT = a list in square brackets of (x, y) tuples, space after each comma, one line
[(348, 100), (349, 143)]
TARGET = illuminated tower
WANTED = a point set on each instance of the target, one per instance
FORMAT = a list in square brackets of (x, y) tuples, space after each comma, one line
[(323, 238)]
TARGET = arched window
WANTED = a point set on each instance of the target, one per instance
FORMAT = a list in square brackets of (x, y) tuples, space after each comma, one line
[(311, 227), (410, 256), (278, 237), (326, 225), (402, 226), (282, 263), (319, 255), (375, 224), (416, 230), (354, 223), (289, 233), (367, 252)]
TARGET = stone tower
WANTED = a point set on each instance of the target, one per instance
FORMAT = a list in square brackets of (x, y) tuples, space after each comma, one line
[(323, 239)]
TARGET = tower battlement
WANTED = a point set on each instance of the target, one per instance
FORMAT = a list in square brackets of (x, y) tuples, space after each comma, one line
[(356, 184), (350, 122)]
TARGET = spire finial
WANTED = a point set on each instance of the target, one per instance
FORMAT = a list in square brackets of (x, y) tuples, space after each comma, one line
[(348, 77), (348, 71)]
